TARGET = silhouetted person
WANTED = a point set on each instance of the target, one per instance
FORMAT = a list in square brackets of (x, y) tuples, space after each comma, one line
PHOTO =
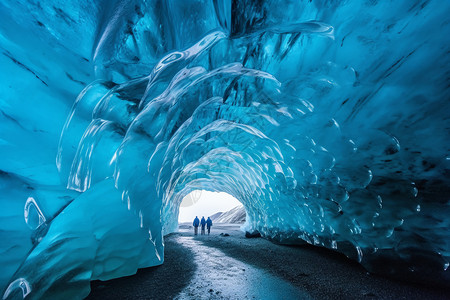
[(203, 222), (208, 224), (195, 224)]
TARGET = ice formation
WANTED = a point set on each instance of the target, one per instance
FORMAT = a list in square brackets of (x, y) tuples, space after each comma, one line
[(328, 120)]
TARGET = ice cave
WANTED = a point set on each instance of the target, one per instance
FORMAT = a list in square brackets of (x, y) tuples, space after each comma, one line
[(328, 120)]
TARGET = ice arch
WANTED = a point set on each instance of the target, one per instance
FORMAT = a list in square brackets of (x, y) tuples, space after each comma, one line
[(328, 120)]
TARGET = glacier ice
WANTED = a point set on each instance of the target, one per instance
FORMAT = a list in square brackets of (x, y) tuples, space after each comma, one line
[(328, 120)]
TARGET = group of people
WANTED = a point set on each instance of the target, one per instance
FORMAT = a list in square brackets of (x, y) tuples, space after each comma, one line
[(203, 223)]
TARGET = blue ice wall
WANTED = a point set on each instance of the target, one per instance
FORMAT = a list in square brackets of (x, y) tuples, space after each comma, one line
[(328, 120)]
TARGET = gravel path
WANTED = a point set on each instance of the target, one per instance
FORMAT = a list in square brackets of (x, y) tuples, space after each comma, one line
[(234, 267)]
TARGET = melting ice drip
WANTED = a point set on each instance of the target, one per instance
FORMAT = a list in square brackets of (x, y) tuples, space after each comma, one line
[(328, 121)]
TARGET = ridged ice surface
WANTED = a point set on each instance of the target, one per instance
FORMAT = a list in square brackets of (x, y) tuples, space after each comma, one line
[(328, 120)]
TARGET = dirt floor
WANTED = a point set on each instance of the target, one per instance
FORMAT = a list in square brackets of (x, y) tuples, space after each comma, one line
[(226, 265)]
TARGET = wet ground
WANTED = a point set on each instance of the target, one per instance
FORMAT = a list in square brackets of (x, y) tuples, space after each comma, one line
[(226, 265)]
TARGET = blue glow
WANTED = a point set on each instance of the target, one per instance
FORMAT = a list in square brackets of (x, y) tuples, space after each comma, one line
[(327, 120)]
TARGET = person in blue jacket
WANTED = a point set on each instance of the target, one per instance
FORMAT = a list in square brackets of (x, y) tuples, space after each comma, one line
[(208, 224), (195, 224), (203, 222)]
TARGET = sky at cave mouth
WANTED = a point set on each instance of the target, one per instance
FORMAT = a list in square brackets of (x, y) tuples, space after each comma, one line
[(205, 203)]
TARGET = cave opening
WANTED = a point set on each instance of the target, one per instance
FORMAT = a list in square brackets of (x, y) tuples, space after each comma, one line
[(206, 203)]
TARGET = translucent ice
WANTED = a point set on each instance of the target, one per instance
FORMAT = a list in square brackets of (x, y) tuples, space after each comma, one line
[(328, 120)]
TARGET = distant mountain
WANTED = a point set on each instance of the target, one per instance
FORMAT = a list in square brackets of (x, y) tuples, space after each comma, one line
[(216, 215), (234, 215)]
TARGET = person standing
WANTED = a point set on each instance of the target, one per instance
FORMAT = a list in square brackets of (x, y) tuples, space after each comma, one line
[(208, 224), (203, 223), (195, 224)]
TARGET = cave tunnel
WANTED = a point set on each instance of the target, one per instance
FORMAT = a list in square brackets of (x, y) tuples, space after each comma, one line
[(327, 120)]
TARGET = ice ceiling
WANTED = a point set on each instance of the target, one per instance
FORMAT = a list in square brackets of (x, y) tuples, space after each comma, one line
[(328, 120)]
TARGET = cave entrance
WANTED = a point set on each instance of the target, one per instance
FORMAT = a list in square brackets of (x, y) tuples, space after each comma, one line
[(205, 203)]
